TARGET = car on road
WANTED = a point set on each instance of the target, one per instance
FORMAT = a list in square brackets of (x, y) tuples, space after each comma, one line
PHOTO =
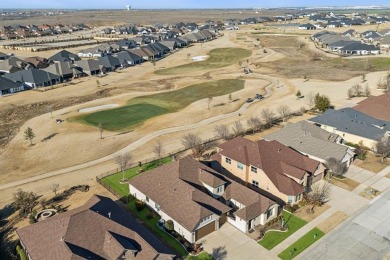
[(258, 96), (249, 100)]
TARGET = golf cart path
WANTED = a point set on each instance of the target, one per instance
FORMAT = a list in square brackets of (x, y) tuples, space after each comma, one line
[(145, 139)]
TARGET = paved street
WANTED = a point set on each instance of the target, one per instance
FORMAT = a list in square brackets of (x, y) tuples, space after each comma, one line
[(365, 236), (235, 244)]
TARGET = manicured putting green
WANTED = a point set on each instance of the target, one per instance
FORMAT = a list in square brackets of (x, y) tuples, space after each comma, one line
[(218, 58), (140, 109)]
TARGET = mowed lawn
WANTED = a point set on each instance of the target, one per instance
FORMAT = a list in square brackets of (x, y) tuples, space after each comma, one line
[(218, 58), (273, 238), (301, 244), (140, 109)]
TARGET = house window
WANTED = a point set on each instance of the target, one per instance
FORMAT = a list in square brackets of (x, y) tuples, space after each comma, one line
[(240, 166), (206, 219), (290, 199), (157, 206), (219, 189), (228, 160), (253, 169), (147, 199), (255, 183), (269, 212)]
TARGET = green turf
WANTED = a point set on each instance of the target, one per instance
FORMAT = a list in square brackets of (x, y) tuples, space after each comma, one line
[(123, 189), (152, 224), (273, 238), (301, 244), (140, 109), (218, 58), (201, 256)]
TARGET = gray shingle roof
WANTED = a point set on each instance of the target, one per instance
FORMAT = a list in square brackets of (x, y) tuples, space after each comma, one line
[(8, 84), (354, 122), (35, 76), (310, 139)]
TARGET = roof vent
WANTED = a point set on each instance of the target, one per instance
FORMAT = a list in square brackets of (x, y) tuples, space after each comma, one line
[(109, 214), (279, 150)]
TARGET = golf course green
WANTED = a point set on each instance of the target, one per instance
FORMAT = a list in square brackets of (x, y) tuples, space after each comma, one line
[(140, 109), (218, 58)]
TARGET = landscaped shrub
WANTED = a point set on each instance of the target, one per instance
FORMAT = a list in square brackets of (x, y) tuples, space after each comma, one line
[(150, 215), (169, 225), (21, 253), (139, 205)]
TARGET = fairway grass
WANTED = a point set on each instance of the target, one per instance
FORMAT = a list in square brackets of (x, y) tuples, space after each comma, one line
[(140, 109), (218, 58), (301, 244), (273, 238)]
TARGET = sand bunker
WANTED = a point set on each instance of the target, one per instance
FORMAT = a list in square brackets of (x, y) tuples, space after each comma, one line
[(199, 58), (102, 107)]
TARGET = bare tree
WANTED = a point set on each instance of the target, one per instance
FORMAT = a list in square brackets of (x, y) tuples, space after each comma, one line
[(124, 162), (284, 112), (336, 167), (230, 97), (382, 147), (268, 117), (24, 201), (319, 195), (209, 100), (350, 93), (50, 110), (158, 150), (100, 127), (54, 188), (367, 90), (310, 98), (222, 132), (254, 123), (384, 83), (357, 90), (238, 128), (195, 143)]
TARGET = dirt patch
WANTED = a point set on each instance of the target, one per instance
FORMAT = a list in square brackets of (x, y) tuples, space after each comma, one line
[(373, 163), (347, 184), (303, 214), (333, 221)]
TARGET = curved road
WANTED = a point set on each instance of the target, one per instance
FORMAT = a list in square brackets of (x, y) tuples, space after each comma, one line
[(142, 141)]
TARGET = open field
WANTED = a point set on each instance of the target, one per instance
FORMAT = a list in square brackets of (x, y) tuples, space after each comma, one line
[(218, 58), (140, 109)]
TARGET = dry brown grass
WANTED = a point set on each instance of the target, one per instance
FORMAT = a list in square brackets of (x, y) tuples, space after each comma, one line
[(302, 213), (370, 193), (333, 221), (373, 163), (347, 184), (388, 175)]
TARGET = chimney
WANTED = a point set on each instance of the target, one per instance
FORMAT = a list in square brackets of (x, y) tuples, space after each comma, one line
[(109, 214)]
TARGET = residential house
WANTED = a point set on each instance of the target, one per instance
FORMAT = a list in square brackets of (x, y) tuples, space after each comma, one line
[(127, 58), (353, 126), (370, 36), (307, 26), (338, 45), (359, 48), (92, 53), (38, 62), (62, 69), (316, 143), (351, 33), (99, 229), (91, 67), (3, 56), (145, 53), (200, 200), (270, 166), (13, 64), (375, 106), (34, 78), (65, 56), (111, 63), (127, 44), (385, 42), (8, 86), (171, 45)]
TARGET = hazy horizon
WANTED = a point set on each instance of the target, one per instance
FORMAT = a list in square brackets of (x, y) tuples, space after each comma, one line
[(181, 4)]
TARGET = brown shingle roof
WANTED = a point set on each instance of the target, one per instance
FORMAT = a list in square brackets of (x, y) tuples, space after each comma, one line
[(274, 158), (177, 188), (88, 232), (378, 107)]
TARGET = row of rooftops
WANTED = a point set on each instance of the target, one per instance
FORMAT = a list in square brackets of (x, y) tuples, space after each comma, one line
[(20, 31)]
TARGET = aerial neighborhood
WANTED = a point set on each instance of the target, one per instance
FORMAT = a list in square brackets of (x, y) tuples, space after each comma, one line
[(265, 136)]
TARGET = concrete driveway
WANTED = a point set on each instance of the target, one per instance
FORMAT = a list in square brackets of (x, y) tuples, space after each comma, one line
[(230, 243)]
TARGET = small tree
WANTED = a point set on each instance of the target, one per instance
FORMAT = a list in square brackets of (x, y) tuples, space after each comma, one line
[(222, 132), (195, 143), (100, 127), (363, 78), (254, 123), (310, 98), (299, 94), (50, 110), (154, 63), (209, 100), (54, 188), (284, 112), (24, 201), (158, 151), (350, 93), (336, 167), (169, 225), (29, 134), (382, 147), (319, 195), (238, 129), (268, 117), (357, 90), (367, 90), (124, 162), (230, 97), (97, 83), (322, 102)]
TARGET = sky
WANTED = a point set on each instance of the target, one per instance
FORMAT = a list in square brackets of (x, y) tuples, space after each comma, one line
[(180, 4)]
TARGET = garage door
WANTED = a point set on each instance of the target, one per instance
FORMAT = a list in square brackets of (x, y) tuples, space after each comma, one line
[(222, 219), (204, 231)]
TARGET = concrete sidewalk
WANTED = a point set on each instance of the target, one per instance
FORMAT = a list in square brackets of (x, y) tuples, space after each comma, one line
[(378, 181)]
